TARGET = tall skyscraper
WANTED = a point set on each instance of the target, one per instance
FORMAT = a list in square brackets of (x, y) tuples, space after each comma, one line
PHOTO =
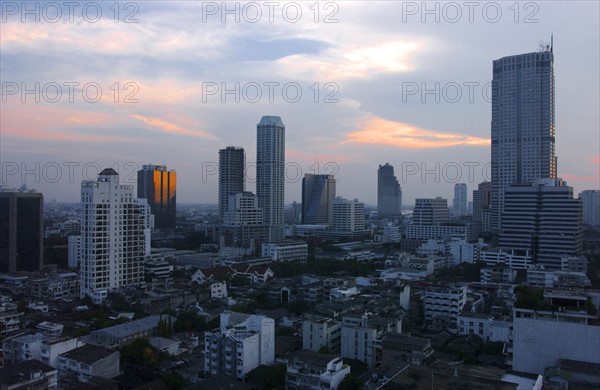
[(389, 195), (270, 173), (318, 192), (523, 126), (114, 236), (232, 175), (542, 217), (482, 200), (21, 231), (459, 203), (159, 186)]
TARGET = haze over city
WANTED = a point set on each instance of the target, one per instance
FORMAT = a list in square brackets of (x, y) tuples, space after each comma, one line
[(374, 63)]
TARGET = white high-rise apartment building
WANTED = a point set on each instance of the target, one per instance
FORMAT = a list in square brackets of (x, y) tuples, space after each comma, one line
[(243, 210), (242, 343), (270, 173), (459, 204), (115, 232), (523, 125)]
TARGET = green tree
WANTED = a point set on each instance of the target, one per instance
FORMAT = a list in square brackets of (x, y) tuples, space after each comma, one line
[(275, 378), (350, 382), (173, 380), (324, 349), (140, 351)]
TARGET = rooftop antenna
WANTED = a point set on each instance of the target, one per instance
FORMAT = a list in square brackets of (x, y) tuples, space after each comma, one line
[(552, 43)]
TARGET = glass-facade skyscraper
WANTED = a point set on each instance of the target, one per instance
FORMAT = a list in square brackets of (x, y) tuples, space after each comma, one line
[(159, 187), (318, 193), (523, 126)]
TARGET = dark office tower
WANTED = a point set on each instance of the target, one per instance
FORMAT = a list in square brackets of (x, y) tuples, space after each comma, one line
[(542, 217), (232, 175), (159, 187), (482, 198), (523, 126), (389, 195), (21, 231), (270, 173), (318, 193)]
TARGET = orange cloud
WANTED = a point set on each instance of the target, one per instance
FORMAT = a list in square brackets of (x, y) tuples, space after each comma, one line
[(595, 160), (570, 177), (172, 128), (402, 135), (52, 123)]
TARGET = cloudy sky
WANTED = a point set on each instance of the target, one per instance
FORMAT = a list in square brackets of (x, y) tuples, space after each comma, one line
[(357, 84)]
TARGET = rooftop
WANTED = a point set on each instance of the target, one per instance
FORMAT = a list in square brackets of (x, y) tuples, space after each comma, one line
[(17, 373), (133, 327), (88, 354), (108, 172), (270, 121)]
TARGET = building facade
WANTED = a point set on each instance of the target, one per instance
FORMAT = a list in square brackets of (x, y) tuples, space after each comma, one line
[(360, 334), (270, 173), (242, 343), (287, 250), (348, 215), (430, 211), (308, 370), (459, 203), (321, 332), (114, 235), (482, 201), (318, 192), (540, 338), (88, 361), (158, 186), (523, 123), (389, 194), (444, 301), (401, 349), (21, 231), (232, 175), (590, 200), (544, 219)]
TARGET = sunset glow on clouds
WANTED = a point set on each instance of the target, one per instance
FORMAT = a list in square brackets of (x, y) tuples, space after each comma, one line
[(367, 54), (172, 128), (379, 131), (352, 62)]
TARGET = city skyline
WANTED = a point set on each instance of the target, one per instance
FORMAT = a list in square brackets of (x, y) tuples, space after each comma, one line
[(376, 119)]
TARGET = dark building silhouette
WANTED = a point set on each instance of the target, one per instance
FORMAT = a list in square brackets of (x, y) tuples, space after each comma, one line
[(21, 231), (232, 175), (389, 195)]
